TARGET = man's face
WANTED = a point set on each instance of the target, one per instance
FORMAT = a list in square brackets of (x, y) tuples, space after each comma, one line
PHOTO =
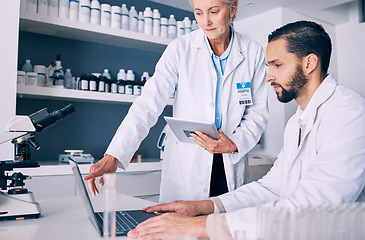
[(285, 72)]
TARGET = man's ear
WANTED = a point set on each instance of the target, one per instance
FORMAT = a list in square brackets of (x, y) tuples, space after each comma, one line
[(310, 63)]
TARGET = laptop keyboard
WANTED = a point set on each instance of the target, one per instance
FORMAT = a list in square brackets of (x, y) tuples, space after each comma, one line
[(124, 221)]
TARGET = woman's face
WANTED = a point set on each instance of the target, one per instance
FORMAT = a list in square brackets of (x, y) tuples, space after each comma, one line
[(213, 17)]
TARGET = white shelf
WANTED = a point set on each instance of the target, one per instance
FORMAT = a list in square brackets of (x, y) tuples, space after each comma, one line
[(74, 95), (65, 28)]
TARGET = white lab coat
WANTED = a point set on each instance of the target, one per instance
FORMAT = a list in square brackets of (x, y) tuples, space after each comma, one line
[(187, 67), (327, 168)]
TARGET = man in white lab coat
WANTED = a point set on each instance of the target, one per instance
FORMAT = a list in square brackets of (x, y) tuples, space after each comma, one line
[(323, 158)]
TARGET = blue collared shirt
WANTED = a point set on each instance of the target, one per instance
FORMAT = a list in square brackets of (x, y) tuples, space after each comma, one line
[(220, 65)]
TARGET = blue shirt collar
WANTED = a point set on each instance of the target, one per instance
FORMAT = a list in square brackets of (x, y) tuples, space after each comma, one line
[(228, 50)]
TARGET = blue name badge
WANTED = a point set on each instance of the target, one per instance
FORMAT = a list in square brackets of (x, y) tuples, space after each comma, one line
[(244, 93)]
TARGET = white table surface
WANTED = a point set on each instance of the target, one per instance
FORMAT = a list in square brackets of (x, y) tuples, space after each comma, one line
[(64, 218)]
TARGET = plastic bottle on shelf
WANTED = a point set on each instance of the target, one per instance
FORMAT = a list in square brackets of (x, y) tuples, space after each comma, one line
[(95, 12), (148, 25), (53, 8), (31, 6), (116, 17), (31, 78), (180, 28), (101, 85), (194, 25), (94, 80), (113, 86), (121, 77), (187, 24), (172, 27), (84, 83), (27, 66), (84, 11), (133, 19), (164, 27), (144, 78), (107, 78), (68, 79), (41, 78), (20, 78), (156, 23), (63, 9), (74, 10), (42, 7), (105, 15), (125, 17), (129, 83), (140, 22)]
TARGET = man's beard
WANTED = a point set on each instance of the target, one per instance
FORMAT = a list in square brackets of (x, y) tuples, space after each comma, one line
[(296, 83)]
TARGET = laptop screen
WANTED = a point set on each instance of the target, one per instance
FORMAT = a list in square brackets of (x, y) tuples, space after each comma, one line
[(84, 195)]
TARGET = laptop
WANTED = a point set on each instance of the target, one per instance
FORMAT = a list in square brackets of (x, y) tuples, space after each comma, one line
[(182, 128), (125, 220)]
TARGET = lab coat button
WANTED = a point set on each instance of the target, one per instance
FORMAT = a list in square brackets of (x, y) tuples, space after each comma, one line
[(209, 162)]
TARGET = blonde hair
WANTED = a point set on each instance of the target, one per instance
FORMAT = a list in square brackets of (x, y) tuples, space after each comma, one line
[(228, 2)]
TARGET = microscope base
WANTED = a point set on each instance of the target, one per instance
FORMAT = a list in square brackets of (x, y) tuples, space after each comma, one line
[(18, 206)]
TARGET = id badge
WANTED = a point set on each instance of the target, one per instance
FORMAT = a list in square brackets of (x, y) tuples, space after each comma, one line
[(244, 93)]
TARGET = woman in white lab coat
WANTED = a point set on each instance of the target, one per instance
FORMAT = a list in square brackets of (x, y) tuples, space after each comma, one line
[(187, 66)]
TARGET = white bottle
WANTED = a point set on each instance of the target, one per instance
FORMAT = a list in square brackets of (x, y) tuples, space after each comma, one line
[(140, 22), (194, 25), (148, 29), (64, 9), (180, 28), (121, 74), (84, 11), (31, 6), (121, 77), (164, 27), (43, 7), (187, 24), (74, 10), (53, 8), (105, 15), (172, 27), (41, 78), (125, 17), (156, 23), (133, 19), (95, 12), (116, 17), (107, 74), (129, 83), (27, 66), (68, 79)]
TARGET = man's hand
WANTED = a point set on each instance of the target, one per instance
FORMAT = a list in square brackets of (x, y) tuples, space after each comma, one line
[(186, 208), (170, 226), (108, 164), (223, 145)]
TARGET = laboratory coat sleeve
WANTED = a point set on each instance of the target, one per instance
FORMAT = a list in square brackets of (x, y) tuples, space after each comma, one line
[(255, 117), (146, 109)]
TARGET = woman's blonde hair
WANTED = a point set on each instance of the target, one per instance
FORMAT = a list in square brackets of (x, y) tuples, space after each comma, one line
[(230, 3)]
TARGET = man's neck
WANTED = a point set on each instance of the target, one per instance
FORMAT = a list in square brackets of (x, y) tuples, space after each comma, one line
[(309, 89)]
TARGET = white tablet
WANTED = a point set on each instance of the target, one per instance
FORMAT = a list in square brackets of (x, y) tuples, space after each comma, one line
[(182, 128)]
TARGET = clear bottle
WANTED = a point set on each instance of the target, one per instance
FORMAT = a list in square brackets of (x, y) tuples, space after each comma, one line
[(125, 17), (53, 8), (187, 24), (27, 66), (74, 10), (84, 11), (31, 6), (194, 25), (164, 27), (109, 226), (105, 15), (156, 23), (95, 12), (172, 27), (43, 7), (68, 79), (140, 22), (180, 28), (116, 17), (148, 23), (133, 19), (64, 9)]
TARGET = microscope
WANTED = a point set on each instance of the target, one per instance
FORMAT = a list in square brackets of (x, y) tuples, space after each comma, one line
[(19, 203)]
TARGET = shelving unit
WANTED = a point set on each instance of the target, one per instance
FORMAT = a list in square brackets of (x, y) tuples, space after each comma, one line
[(65, 28), (75, 95)]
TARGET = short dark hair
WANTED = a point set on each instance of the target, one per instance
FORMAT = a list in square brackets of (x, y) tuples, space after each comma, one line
[(305, 37)]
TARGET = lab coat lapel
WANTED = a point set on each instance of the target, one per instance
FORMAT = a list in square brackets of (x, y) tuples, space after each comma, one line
[(235, 57)]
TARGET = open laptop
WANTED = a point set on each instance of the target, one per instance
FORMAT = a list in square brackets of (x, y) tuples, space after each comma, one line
[(125, 220)]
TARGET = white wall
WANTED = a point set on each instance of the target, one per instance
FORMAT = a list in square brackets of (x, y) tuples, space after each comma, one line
[(9, 27)]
